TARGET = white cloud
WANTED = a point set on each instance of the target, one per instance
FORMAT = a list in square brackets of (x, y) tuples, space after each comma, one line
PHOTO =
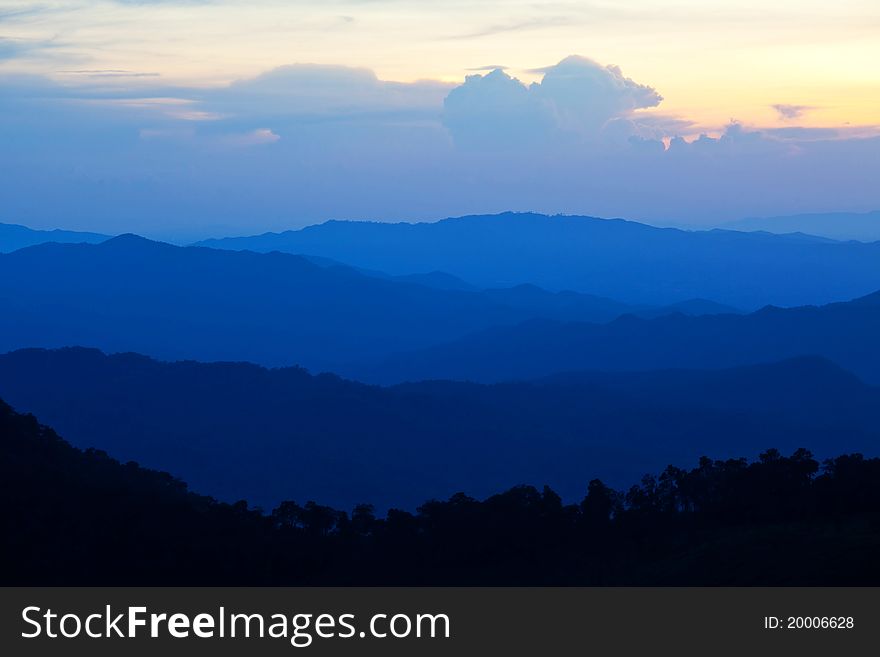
[(306, 143), (331, 91), (585, 94), (252, 138), (577, 97), (495, 109)]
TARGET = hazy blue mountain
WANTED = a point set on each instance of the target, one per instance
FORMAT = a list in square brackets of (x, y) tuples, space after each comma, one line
[(236, 430), (864, 226), (131, 294), (575, 306), (562, 304), (845, 333), (693, 307), (438, 279), (623, 260), (14, 237)]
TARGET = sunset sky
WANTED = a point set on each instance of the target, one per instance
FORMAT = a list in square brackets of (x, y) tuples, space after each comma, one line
[(100, 99)]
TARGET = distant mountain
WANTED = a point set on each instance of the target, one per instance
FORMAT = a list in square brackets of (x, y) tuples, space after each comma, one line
[(623, 260), (132, 294), (14, 237), (558, 304), (235, 430), (578, 307), (864, 226), (694, 307), (436, 279), (845, 333), (574, 306)]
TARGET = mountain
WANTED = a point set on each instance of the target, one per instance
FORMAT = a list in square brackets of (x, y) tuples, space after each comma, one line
[(436, 279), (14, 237), (623, 260), (236, 430), (573, 306), (80, 517), (864, 227), (76, 518), (132, 294), (694, 307), (580, 307), (845, 333)]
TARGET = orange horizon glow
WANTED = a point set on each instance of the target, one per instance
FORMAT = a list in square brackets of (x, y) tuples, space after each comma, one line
[(712, 60)]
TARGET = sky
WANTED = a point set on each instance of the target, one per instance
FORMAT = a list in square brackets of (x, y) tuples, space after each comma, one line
[(188, 118)]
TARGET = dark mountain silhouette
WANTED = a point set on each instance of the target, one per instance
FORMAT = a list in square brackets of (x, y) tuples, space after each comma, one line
[(623, 260), (14, 237), (845, 333), (235, 430), (73, 517), (132, 294), (864, 226)]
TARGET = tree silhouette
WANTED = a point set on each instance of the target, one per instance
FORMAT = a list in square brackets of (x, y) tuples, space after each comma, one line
[(73, 516)]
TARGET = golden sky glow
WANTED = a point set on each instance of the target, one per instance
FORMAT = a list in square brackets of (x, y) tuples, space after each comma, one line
[(712, 60)]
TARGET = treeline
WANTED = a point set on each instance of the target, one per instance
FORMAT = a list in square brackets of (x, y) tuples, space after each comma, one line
[(80, 517)]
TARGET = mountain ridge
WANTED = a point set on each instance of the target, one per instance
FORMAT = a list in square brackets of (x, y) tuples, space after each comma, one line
[(843, 332), (133, 294), (81, 517), (617, 258), (860, 226), (16, 236), (238, 430)]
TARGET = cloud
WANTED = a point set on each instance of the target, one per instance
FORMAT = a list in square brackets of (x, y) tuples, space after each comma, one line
[(521, 26), (257, 137), (24, 11), (211, 142), (165, 2), (495, 109), (577, 97), (329, 92), (585, 94), (109, 73), (304, 143), (791, 112), (488, 67), (16, 48), (153, 108), (657, 126), (803, 134)]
